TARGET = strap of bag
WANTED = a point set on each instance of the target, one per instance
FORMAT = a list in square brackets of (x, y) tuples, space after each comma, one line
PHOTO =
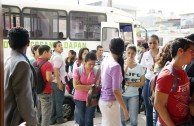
[(170, 67), (97, 75), (42, 62)]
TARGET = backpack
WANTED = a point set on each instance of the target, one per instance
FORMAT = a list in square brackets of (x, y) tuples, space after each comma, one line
[(41, 84), (81, 70), (152, 84)]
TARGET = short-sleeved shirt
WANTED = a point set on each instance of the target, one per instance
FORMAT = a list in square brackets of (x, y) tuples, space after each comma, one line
[(111, 78), (58, 62), (84, 80), (133, 75), (46, 67), (178, 100), (147, 62)]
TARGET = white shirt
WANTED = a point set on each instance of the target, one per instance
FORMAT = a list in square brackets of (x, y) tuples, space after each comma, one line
[(147, 61)]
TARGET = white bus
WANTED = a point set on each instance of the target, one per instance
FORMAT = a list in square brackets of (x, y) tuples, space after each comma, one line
[(76, 26)]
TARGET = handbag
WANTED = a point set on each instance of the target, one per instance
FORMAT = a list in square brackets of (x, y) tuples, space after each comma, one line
[(94, 93)]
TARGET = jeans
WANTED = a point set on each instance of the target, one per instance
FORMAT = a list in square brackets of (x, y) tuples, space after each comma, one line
[(76, 117), (57, 103), (132, 104), (45, 108), (85, 113), (148, 106), (155, 116)]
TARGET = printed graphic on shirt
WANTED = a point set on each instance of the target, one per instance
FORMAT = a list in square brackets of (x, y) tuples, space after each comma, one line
[(132, 77)]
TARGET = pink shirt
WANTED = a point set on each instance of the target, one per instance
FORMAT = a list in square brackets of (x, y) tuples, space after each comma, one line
[(84, 80)]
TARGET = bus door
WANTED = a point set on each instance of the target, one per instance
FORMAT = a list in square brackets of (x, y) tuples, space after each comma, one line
[(109, 31)]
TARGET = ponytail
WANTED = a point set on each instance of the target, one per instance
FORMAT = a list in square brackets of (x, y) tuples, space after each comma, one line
[(121, 63)]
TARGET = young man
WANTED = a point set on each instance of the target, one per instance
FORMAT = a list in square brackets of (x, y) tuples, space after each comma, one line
[(99, 54), (173, 105), (46, 71), (18, 81), (58, 85)]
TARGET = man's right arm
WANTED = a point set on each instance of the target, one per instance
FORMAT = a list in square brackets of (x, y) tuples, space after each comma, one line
[(22, 88), (160, 103)]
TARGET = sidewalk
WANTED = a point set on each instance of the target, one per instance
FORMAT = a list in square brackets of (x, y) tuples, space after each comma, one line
[(97, 121)]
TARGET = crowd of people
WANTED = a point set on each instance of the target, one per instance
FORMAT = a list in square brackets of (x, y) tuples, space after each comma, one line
[(167, 71)]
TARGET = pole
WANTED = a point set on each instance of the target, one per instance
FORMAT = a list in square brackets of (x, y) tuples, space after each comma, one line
[(78, 2), (1, 72), (109, 4)]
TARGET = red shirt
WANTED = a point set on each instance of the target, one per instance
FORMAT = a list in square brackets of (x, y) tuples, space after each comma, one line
[(178, 100), (46, 67)]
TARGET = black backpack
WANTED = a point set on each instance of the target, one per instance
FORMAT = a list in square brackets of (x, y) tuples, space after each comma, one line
[(41, 84)]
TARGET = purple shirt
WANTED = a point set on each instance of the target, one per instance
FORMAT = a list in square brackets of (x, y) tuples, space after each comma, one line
[(111, 78)]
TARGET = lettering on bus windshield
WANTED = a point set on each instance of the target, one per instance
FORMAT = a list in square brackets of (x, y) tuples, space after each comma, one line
[(66, 45)]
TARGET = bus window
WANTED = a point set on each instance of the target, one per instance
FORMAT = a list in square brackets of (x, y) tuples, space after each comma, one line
[(107, 35), (85, 26), (45, 24), (11, 18), (126, 33)]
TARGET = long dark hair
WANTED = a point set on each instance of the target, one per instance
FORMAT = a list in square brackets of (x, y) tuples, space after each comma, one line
[(81, 51), (117, 47)]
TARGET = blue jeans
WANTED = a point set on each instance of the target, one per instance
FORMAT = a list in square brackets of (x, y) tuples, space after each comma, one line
[(76, 117), (155, 116), (148, 106), (45, 108), (86, 114), (57, 103), (132, 104)]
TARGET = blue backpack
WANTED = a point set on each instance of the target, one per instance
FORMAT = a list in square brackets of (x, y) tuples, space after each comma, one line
[(81, 70), (152, 84)]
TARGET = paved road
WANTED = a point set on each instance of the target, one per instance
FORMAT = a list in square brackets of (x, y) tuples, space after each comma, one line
[(97, 121)]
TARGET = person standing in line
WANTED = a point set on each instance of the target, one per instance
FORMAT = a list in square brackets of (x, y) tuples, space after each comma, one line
[(34, 50), (147, 62), (99, 54), (144, 48), (45, 97), (172, 101), (190, 72), (83, 78), (58, 85), (134, 75), (112, 75), (78, 63), (100, 57), (19, 81), (69, 61), (162, 59)]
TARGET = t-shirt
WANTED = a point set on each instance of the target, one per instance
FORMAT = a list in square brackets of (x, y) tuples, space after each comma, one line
[(147, 62), (46, 67), (84, 80), (58, 62), (111, 78), (178, 100), (133, 75)]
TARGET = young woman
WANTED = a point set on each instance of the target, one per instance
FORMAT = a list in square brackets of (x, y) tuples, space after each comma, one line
[(147, 62), (34, 50), (112, 74), (69, 61), (79, 62), (81, 58), (134, 77), (83, 78), (162, 58)]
